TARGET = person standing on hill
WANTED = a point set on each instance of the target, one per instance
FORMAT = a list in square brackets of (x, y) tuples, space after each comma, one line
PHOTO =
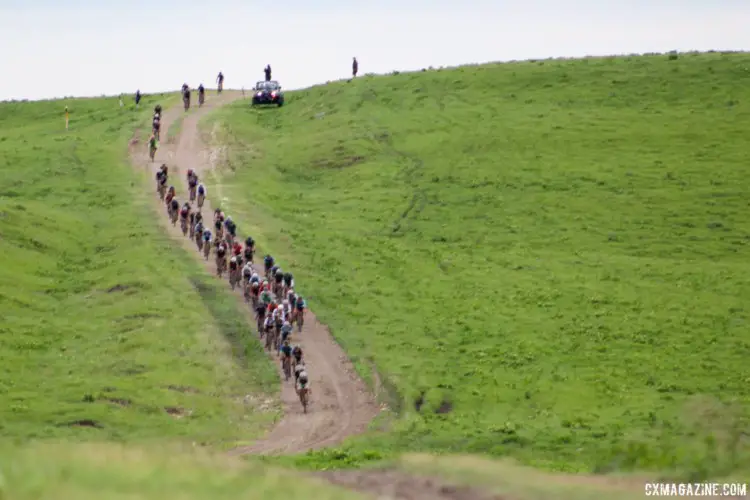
[(267, 71), (355, 67), (137, 97), (220, 82)]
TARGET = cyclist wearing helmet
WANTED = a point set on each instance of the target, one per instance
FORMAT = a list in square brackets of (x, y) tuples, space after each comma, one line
[(185, 211), (297, 353), (288, 280), (202, 190), (278, 276), (298, 367), (247, 272), (175, 205), (266, 298), (260, 310), (303, 381), (156, 124), (231, 227), (233, 263), (249, 249), (300, 304), (285, 350), (161, 179), (170, 195), (268, 324), (286, 330), (286, 309), (278, 315), (198, 228), (221, 251), (268, 263), (207, 235), (153, 144), (237, 249)]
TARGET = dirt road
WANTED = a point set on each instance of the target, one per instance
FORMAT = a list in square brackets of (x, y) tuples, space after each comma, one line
[(341, 404)]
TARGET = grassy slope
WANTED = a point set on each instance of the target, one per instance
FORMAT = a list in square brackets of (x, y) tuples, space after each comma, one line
[(556, 249), (100, 313), (97, 471)]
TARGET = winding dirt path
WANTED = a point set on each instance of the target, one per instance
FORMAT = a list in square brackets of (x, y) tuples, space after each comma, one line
[(341, 404)]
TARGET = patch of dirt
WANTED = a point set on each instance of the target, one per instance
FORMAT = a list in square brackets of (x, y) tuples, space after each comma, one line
[(396, 485), (177, 412), (183, 389), (118, 288), (86, 422), (124, 402), (445, 407), (341, 404)]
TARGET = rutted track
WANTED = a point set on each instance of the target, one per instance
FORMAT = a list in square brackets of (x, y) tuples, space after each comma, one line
[(341, 405)]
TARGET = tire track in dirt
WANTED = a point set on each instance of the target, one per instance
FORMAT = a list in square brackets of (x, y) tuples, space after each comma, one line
[(340, 405)]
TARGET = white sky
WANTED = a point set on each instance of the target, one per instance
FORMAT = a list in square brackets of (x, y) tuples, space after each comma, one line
[(53, 48)]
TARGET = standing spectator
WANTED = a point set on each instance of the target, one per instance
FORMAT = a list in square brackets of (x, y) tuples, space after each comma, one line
[(137, 97), (355, 67), (267, 71)]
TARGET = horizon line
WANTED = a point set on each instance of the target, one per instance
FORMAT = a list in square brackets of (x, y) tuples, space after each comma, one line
[(395, 72)]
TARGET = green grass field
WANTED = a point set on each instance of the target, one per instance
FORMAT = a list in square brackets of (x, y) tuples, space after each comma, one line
[(108, 331), (108, 471), (546, 260)]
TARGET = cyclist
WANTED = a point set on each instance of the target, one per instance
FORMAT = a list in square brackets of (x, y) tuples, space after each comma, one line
[(268, 263), (297, 353), (286, 330)]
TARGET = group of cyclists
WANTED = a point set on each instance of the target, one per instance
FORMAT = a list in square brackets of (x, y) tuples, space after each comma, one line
[(153, 141), (277, 307), (156, 122)]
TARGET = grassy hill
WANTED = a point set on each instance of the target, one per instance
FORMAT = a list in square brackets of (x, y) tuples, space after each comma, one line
[(52, 471), (109, 333), (546, 259)]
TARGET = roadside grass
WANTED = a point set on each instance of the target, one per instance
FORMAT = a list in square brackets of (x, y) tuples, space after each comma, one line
[(108, 331), (95, 471), (545, 259)]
